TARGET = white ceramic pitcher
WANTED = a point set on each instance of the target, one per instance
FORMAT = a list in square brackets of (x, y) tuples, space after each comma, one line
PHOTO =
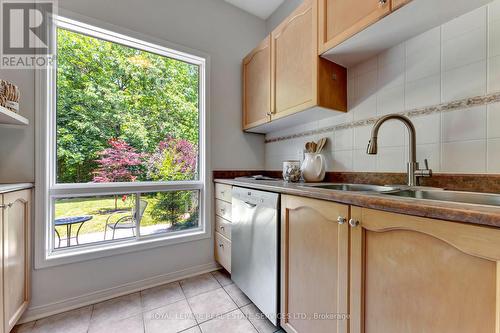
[(313, 167)]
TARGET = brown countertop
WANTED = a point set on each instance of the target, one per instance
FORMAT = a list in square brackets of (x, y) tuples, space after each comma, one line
[(450, 211)]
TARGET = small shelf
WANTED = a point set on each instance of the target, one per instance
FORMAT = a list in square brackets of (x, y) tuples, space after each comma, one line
[(8, 117)]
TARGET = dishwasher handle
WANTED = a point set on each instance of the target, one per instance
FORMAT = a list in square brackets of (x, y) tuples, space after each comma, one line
[(250, 205)]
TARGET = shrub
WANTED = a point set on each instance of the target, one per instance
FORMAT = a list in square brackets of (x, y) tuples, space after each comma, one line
[(174, 160)]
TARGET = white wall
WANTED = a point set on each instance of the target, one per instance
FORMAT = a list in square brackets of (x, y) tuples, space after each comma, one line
[(281, 13), (212, 26), (457, 60)]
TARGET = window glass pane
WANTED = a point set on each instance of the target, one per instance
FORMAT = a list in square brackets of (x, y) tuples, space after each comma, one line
[(123, 114), (167, 212), (91, 220)]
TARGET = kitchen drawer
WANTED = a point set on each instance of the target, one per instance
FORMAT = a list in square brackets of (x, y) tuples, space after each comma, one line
[(223, 209), (223, 227), (223, 251), (223, 192)]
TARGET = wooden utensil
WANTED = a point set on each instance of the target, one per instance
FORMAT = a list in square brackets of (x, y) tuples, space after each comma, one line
[(321, 145)]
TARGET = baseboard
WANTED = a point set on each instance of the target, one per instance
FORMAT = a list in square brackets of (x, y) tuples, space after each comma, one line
[(42, 311)]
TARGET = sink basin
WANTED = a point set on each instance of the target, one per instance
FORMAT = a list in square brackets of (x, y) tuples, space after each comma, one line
[(354, 187), (452, 196)]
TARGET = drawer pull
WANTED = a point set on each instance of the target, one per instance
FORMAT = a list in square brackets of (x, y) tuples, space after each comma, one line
[(341, 220), (223, 211), (222, 228), (221, 245)]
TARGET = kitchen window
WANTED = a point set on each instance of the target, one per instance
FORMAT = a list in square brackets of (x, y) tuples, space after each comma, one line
[(125, 154)]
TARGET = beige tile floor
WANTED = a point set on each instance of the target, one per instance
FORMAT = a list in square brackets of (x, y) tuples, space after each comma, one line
[(208, 303)]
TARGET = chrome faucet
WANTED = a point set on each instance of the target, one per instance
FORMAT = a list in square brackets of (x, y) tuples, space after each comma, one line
[(413, 171)]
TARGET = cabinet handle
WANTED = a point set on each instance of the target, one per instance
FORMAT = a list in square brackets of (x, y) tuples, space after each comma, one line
[(222, 228), (382, 2), (353, 223), (222, 210), (221, 245), (222, 192), (9, 205), (341, 220)]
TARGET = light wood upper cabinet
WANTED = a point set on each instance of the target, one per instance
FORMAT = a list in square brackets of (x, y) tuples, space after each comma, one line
[(16, 256), (257, 85), (341, 19), (314, 264), (301, 79), (411, 274), (395, 4)]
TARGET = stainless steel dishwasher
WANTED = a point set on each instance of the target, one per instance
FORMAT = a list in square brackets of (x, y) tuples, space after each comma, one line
[(255, 248)]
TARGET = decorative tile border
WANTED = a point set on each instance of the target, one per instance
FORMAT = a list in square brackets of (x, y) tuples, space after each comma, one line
[(445, 107)]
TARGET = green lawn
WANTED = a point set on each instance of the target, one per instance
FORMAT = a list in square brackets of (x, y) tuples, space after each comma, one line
[(100, 209)]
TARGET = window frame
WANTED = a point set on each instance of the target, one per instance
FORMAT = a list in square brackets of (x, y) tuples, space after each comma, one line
[(48, 190)]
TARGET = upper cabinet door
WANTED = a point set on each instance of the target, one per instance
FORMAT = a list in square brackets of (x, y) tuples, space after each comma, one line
[(16, 255), (257, 85), (341, 19), (412, 274), (294, 47), (398, 4)]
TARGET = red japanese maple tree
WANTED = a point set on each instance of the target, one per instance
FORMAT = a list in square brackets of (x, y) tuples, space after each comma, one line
[(118, 163)]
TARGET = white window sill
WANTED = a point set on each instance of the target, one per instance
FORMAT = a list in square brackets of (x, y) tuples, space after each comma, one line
[(80, 254)]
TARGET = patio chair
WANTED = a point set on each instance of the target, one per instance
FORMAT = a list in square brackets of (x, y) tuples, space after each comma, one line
[(125, 222)]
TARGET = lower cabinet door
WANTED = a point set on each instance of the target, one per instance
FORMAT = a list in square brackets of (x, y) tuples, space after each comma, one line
[(16, 252), (314, 266), (411, 274), (223, 251)]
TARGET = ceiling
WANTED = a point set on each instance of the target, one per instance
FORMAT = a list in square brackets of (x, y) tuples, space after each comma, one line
[(259, 8)]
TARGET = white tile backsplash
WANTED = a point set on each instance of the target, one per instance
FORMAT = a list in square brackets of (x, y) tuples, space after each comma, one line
[(431, 152), (391, 100), (423, 92), (466, 81), (341, 161), (494, 121), (494, 156), (494, 38), (464, 50), (494, 11), (476, 19), (494, 74), (423, 55), (456, 60), (391, 159), (362, 162), (343, 139), (428, 128), (464, 156), (464, 125)]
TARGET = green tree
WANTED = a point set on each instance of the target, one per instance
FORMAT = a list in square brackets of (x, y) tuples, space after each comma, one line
[(107, 90), (174, 160)]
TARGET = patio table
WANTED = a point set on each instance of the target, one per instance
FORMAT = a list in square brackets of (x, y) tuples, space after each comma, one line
[(68, 222)]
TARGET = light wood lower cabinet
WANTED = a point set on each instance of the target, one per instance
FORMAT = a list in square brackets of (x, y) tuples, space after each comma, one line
[(391, 273), (411, 274), (15, 223), (223, 216), (314, 265)]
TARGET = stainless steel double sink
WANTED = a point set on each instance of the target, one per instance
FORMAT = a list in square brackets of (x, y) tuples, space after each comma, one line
[(416, 193)]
